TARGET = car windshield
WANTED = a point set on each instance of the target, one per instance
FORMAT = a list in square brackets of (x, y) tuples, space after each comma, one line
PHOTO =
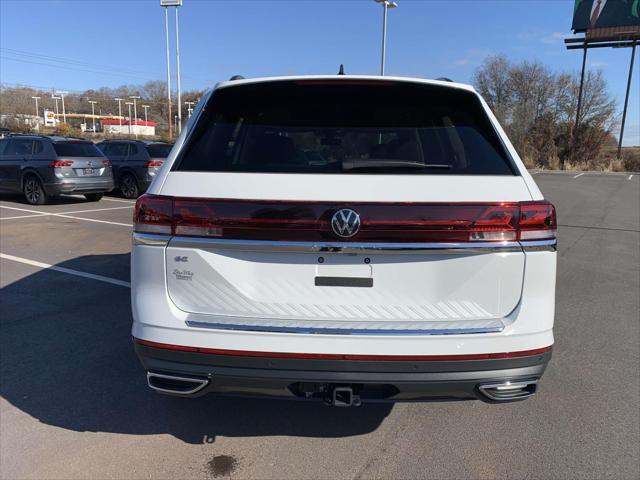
[(159, 151), (345, 126), (76, 149)]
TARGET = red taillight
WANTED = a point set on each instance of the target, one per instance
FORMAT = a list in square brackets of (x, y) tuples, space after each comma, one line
[(311, 221), (537, 221), (60, 163), (106, 163), (154, 163), (154, 214)]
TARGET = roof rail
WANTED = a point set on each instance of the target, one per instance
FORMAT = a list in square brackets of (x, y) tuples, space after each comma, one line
[(236, 77), (444, 79)]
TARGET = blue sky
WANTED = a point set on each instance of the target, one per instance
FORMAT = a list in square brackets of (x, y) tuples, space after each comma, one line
[(115, 42)]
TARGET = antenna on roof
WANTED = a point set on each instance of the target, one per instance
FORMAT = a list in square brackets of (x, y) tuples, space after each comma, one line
[(444, 79), (341, 71), (236, 77)]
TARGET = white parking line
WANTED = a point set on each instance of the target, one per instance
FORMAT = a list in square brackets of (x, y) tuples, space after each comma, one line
[(132, 202), (92, 276), (579, 175), (64, 215), (630, 176)]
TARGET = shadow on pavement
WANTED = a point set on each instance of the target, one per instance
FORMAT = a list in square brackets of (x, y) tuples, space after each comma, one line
[(68, 361)]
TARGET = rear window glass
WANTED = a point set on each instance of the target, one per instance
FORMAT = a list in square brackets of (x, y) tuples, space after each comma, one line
[(345, 126), (76, 149), (159, 151)]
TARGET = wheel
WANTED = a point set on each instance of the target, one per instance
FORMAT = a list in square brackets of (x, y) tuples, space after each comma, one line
[(33, 191), (93, 197), (129, 187)]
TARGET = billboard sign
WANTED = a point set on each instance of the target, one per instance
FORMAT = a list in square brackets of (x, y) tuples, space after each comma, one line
[(49, 119), (590, 14), (170, 3)]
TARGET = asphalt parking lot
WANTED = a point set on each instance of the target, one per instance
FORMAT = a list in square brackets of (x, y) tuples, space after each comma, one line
[(74, 402)]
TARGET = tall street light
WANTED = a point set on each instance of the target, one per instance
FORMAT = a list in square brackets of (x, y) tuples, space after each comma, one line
[(166, 4), (64, 112), (135, 110), (178, 71), (119, 112), (129, 103), (145, 113), (93, 114), (386, 5), (53, 97), (37, 111), (189, 109)]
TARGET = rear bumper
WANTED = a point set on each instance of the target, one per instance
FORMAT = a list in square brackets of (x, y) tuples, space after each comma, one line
[(371, 380), (80, 186)]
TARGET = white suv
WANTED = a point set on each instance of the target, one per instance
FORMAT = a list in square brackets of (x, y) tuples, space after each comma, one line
[(344, 238)]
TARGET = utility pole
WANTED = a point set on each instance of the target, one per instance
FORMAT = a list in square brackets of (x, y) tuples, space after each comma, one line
[(145, 113), (119, 113), (166, 4), (386, 5), (129, 103), (93, 114), (135, 111), (64, 112)]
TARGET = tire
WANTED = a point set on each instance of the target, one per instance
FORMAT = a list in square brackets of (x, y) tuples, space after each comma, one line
[(33, 191), (129, 187), (93, 197)]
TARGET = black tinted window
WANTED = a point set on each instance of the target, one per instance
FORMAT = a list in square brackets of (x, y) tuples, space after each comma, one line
[(345, 127), (19, 146), (3, 144), (159, 151), (76, 149), (38, 146)]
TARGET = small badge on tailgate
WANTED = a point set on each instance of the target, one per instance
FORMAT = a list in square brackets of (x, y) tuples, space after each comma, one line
[(181, 259)]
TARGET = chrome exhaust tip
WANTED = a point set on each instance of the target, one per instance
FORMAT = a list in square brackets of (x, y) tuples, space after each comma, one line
[(509, 390), (174, 384)]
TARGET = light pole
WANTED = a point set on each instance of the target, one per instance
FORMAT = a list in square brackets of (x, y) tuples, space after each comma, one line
[(93, 114), (145, 113), (166, 4), (119, 113), (135, 111), (386, 4), (37, 111), (189, 109), (178, 72), (129, 103), (53, 97), (64, 112)]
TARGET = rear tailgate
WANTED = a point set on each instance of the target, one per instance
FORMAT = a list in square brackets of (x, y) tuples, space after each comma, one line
[(258, 282)]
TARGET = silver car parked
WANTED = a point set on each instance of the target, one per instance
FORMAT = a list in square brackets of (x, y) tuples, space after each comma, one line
[(45, 166)]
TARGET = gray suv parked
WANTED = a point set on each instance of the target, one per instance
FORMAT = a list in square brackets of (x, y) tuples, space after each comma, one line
[(41, 167), (135, 163)]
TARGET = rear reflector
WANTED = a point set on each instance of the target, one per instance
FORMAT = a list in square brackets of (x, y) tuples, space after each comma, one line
[(60, 163), (311, 221), (334, 356)]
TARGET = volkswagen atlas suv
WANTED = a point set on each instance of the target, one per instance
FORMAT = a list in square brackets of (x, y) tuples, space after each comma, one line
[(135, 163), (344, 239), (42, 167)]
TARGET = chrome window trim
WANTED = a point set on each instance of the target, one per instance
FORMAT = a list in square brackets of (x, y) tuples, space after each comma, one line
[(343, 247), (345, 331)]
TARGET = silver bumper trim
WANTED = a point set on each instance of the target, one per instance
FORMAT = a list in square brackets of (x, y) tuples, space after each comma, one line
[(342, 247)]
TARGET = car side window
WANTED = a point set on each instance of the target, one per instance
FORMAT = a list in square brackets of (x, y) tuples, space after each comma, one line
[(117, 150), (104, 148), (19, 146), (133, 151), (38, 147), (3, 144)]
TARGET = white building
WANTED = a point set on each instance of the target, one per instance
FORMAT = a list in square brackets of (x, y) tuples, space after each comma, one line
[(128, 127)]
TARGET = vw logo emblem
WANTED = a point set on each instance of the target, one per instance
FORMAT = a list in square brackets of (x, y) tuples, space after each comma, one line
[(345, 223)]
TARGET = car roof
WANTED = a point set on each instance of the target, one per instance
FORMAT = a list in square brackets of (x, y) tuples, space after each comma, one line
[(423, 81)]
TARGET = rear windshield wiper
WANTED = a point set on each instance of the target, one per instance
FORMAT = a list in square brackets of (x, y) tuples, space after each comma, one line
[(388, 163)]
